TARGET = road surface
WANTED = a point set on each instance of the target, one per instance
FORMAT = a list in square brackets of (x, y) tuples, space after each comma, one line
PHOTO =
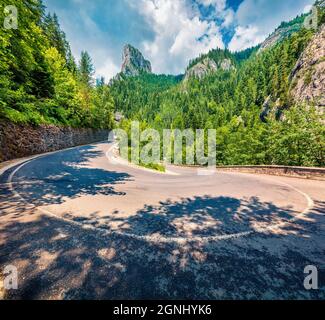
[(79, 225)]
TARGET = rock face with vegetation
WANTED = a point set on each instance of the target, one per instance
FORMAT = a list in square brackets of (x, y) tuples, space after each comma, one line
[(207, 66), (41, 85), (308, 76), (226, 65), (285, 30), (201, 69), (232, 102), (133, 62)]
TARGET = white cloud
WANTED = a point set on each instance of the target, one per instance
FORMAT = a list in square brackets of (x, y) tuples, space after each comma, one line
[(307, 8), (107, 69), (229, 17), (168, 32), (245, 37), (257, 19), (219, 5), (180, 34)]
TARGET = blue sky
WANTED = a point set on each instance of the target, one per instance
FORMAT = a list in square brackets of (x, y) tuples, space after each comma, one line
[(168, 32)]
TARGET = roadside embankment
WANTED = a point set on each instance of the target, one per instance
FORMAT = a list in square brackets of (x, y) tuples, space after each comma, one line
[(17, 141), (297, 172)]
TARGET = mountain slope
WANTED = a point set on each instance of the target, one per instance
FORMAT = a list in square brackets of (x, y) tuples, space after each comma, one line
[(208, 66), (285, 30), (308, 76), (231, 102)]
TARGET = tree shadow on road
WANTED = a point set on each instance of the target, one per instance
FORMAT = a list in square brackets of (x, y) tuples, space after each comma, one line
[(199, 216), (56, 259), (65, 175)]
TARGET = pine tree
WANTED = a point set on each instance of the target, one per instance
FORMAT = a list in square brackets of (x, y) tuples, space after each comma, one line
[(86, 70)]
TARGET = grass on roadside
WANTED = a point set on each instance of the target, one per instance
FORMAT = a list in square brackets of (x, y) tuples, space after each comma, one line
[(153, 166)]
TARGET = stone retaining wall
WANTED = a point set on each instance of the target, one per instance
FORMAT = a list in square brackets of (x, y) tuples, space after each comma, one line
[(17, 141)]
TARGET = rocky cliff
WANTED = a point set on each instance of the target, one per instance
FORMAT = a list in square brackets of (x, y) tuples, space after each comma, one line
[(133, 62), (285, 30), (208, 66), (308, 76), (307, 79)]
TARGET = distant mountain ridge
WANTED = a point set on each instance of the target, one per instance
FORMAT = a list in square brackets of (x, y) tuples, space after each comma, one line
[(134, 63), (306, 79)]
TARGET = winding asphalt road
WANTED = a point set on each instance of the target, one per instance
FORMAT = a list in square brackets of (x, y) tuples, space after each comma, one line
[(80, 225)]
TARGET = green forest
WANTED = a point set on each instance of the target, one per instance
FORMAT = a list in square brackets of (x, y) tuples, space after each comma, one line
[(232, 102), (42, 83)]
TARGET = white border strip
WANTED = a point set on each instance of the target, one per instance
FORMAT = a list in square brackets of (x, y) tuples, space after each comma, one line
[(156, 238)]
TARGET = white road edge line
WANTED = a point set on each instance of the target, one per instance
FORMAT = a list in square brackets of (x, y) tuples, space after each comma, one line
[(115, 160), (156, 238)]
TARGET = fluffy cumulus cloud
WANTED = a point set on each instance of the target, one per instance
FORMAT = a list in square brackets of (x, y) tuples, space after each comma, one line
[(218, 4), (102, 27), (220, 9), (256, 19), (168, 32), (180, 32), (246, 37)]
